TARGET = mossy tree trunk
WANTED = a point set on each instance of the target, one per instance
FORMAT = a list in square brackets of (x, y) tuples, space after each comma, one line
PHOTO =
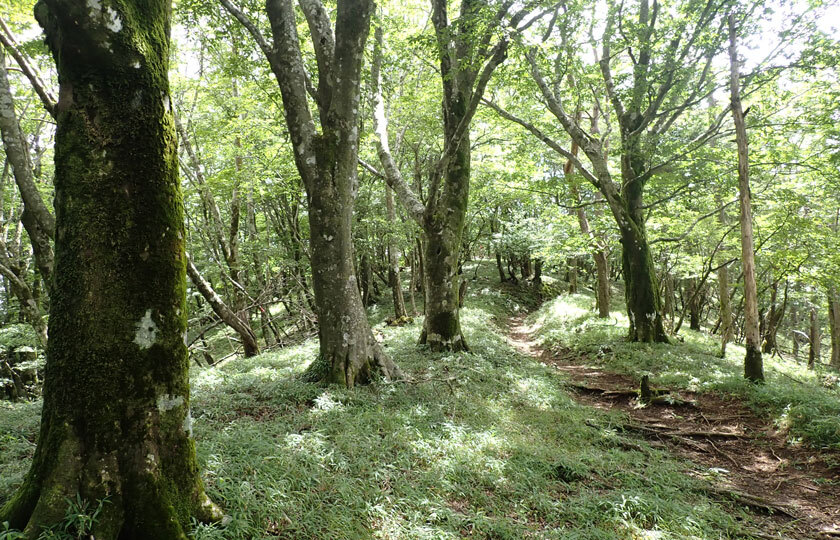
[(115, 420), (443, 226), (327, 163)]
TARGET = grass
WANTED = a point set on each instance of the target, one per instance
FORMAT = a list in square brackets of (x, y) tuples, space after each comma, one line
[(805, 403), (486, 444)]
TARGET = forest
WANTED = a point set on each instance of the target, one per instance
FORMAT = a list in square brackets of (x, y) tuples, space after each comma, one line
[(420, 269)]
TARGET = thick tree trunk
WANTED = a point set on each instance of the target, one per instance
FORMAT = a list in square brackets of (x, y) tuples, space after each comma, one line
[(572, 264), (443, 228), (327, 162), (641, 290), (753, 365), (230, 317), (644, 307), (538, 264), (115, 420)]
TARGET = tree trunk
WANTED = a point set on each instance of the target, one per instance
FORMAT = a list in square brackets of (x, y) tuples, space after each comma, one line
[(36, 218), (538, 264), (725, 309), (327, 163), (753, 365), (644, 307), (834, 324), (814, 335), (572, 263), (694, 304), (443, 227), (230, 317), (794, 335), (115, 420), (774, 319), (642, 292), (393, 263), (603, 273)]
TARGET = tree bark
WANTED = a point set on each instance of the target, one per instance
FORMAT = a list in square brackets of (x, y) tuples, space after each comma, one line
[(815, 338), (394, 279), (230, 317), (834, 324), (694, 304), (753, 365), (327, 163), (115, 420), (36, 218), (725, 309), (774, 319)]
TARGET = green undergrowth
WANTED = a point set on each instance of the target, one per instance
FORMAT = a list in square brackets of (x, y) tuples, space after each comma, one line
[(485, 444), (804, 403)]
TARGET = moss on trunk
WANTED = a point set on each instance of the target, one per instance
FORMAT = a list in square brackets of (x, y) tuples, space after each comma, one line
[(116, 421)]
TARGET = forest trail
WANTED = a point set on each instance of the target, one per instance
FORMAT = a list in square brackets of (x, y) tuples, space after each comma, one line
[(744, 457)]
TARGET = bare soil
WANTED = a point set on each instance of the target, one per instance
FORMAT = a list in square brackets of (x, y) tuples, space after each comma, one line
[(790, 488)]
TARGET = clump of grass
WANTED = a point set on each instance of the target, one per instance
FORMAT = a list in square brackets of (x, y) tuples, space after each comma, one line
[(793, 396)]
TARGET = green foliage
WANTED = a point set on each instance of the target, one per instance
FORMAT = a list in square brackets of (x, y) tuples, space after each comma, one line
[(13, 336), (78, 524)]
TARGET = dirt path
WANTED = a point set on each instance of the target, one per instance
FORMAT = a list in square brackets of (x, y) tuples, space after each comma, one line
[(747, 460)]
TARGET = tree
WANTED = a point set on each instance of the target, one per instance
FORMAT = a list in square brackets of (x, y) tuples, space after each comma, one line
[(116, 421), (327, 163), (753, 366), (467, 55)]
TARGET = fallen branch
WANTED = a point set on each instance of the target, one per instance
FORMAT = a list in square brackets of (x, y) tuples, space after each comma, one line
[(753, 501)]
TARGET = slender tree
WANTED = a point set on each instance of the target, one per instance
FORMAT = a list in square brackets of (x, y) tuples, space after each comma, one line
[(753, 365), (116, 420)]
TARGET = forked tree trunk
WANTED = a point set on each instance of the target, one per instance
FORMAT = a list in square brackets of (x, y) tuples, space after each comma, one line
[(116, 419), (327, 163), (753, 365)]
